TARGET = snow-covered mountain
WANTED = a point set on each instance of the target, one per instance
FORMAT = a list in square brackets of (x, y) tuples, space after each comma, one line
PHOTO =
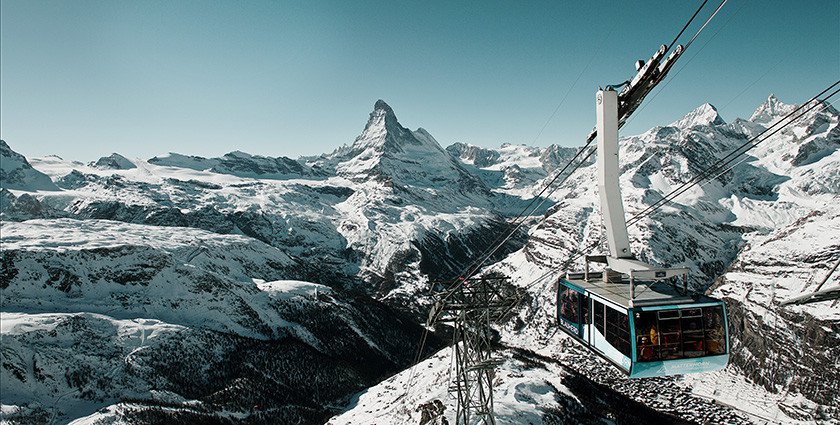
[(388, 152), (114, 161), (240, 164), (512, 169), (17, 173), (705, 114), (771, 111), (771, 200), (209, 254), (100, 313)]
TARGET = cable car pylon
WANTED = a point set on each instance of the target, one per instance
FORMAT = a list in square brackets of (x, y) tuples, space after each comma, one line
[(473, 308)]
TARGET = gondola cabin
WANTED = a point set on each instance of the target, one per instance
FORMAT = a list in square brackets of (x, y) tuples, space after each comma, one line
[(632, 313), (663, 331)]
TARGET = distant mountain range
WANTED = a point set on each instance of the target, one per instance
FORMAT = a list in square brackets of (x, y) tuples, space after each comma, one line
[(249, 289)]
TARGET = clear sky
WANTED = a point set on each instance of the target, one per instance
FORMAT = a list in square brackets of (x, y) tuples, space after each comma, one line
[(82, 79)]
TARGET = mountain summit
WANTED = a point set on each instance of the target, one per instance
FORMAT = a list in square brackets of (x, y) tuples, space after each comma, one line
[(387, 151), (383, 132), (705, 114), (771, 110), (17, 174)]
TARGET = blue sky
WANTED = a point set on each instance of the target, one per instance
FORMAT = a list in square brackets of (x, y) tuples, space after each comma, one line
[(83, 79)]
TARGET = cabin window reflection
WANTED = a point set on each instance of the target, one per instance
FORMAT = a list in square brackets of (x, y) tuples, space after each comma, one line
[(570, 305), (670, 346), (692, 328), (618, 331), (598, 316), (715, 334), (584, 310)]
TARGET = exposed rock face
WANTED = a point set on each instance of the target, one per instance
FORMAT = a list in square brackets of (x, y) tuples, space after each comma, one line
[(554, 157), (187, 243), (791, 349), (114, 161), (241, 164), (175, 318), (24, 207), (478, 156), (771, 111)]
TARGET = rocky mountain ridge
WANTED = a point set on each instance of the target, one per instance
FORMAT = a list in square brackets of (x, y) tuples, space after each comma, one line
[(394, 211)]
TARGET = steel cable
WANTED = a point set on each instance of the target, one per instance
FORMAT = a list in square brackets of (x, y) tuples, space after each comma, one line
[(734, 155)]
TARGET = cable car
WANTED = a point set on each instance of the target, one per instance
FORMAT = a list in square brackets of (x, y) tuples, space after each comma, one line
[(658, 330), (662, 330)]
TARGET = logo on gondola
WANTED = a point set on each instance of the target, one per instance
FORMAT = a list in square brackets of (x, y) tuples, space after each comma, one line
[(660, 274), (570, 327)]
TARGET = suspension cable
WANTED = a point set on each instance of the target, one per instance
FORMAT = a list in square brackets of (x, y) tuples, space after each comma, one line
[(686, 25), (685, 186), (734, 155), (499, 241), (704, 25), (496, 244), (458, 283), (485, 254), (569, 90), (674, 75), (520, 219)]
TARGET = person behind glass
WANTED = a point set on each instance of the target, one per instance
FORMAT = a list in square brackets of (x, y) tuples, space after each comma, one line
[(646, 351)]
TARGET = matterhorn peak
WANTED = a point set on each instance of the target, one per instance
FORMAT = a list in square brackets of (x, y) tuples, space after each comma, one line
[(705, 114), (387, 151), (382, 116), (381, 105), (383, 129)]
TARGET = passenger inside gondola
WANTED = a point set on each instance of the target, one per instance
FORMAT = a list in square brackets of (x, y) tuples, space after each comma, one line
[(647, 337), (680, 333), (646, 352)]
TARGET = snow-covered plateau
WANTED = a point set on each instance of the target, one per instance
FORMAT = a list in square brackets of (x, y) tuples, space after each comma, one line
[(251, 289)]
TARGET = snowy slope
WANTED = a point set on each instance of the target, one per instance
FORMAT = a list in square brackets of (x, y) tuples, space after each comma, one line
[(530, 389), (397, 204), (114, 161), (240, 164), (512, 169), (95, 312), (388, 214), (712, 229), (17, 174)]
